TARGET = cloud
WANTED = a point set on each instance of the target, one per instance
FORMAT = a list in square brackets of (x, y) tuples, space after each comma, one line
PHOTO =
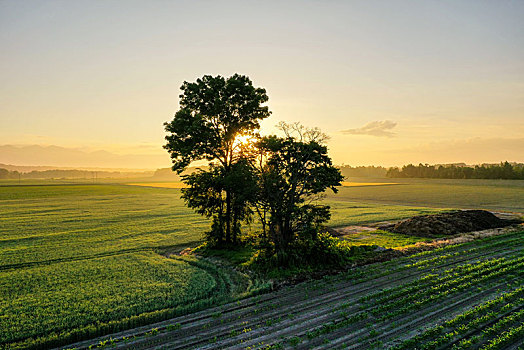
[(379, 128)]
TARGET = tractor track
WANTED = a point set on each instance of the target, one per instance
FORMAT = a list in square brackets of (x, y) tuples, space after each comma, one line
[(255, 321), (327, 300)]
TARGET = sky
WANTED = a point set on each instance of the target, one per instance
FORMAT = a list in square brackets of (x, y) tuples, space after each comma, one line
[(391, 82)]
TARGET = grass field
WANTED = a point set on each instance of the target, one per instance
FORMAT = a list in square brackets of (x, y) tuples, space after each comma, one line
[(383, 239), (43, 223), (80, 260), (463, 296), (503, 195), (182, 185)]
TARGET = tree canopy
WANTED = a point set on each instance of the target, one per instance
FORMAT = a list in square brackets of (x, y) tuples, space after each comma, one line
[(296, 171), (488, 171), (214, 112), (277, 177)]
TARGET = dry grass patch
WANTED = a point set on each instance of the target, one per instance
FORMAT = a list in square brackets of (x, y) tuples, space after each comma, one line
[(361, 184), (160, 184)]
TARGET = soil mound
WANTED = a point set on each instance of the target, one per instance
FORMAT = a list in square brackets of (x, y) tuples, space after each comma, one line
[(448, 223)]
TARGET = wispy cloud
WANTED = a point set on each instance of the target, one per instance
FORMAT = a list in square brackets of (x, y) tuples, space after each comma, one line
[(379, 128)]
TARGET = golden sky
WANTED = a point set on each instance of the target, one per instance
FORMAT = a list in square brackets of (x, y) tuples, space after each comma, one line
[(391, 82)]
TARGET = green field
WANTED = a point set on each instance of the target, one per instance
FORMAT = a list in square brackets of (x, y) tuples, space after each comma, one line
[(503, 195), (384, 239), (82, 260), (43, 223), (462, 296)]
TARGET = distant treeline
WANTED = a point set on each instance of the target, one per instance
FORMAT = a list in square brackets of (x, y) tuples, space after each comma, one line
[(363, 171), (68, 174), (486, 171), (168, 174), (454, 171), (6, 174)]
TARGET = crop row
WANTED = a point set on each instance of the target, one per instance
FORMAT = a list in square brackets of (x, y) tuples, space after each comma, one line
[(492, 334), (448, 284), (410, 303), (484, 272), (441, 256), (430, 279), (464, 322), (507, 337), (443, 290), (332, 309)]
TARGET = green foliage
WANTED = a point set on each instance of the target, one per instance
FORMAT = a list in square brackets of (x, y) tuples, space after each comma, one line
[(307, 254), (53, 237), (237, 255), (204, 194), (6, 174), (207, 193), (294, 341), (72, 222), (214, 112), (294, 171), (383, 239), (459, 296), (74, 295)]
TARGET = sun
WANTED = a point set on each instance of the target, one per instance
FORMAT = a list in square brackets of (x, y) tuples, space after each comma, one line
[(243, 141)]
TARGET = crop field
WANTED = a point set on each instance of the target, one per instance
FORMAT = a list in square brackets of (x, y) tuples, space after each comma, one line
[(182, 185), (383, 239), (82, 260), (67, 300), (50, 223), (462, 296), (504, 195)]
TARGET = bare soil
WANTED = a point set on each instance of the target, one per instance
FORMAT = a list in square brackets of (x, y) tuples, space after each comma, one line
[(450, 223)]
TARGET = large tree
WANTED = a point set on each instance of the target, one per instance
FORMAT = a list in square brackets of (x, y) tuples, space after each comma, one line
[(294, 171), (214, 113), (206, 191)]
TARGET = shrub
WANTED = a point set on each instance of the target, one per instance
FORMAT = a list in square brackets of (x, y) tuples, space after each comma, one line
[(309, 254)]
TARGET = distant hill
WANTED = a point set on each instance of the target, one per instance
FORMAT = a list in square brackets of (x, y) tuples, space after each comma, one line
[(6, 173), (29, 168), (55, 156)]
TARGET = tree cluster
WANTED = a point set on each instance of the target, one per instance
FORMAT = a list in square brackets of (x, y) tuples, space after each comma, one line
[(276, 179), (363, 171), (492, 171), (6, 174)]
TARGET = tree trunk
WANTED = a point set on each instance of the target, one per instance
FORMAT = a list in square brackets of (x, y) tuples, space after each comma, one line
[(234, 229), (264, 234), (286, 231), (228, 217)]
